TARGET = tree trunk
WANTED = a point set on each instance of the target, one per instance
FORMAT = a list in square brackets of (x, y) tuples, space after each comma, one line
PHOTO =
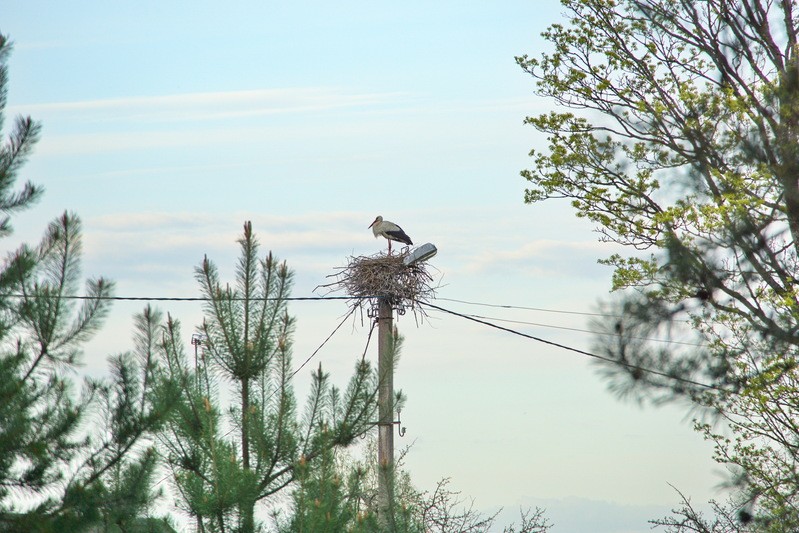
[(247, 508)]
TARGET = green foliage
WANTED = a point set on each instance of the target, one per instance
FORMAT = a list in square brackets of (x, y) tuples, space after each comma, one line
[(336, 497), (339, 494), (324, 501), (681, 143), (84, 458), (231, 448), (333, 493), (69, 460), (14, 152)]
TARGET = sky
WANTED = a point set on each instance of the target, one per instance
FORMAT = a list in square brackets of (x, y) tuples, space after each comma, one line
[(167, 125)]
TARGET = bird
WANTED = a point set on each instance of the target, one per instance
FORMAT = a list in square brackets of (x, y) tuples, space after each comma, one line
[(389, 230)]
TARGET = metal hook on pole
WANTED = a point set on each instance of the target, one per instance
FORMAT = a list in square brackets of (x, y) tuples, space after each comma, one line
[(400, 428), (373, 311)]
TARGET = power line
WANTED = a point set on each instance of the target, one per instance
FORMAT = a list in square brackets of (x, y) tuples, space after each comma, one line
[(182, 298), (542, 309), (308, 360), (320, 298), (581, 352), (289, 298), (566, 328)]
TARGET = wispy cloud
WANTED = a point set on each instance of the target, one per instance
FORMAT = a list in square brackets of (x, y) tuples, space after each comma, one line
[(320, 241), (200, 106), (158, 251), (260, 117), (543, 258), (207, 119), (188, 233)]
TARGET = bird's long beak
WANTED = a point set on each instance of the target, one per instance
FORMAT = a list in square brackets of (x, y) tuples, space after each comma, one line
[(373, 223)]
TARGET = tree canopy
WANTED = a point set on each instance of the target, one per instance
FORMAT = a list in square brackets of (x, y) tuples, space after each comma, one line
[(237, 440), (677, 135), (70, 460)]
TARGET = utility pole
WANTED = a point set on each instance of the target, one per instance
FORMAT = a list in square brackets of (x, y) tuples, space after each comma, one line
[(391, 291), (385, 406)]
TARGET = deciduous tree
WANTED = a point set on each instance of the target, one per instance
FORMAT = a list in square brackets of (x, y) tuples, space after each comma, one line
[(678, 136)]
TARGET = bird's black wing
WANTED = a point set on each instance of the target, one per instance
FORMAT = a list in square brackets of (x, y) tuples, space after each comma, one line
[(400, 236)]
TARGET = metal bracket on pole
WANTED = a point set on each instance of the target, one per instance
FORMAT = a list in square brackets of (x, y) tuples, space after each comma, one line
[(401, 430), (373, 311)]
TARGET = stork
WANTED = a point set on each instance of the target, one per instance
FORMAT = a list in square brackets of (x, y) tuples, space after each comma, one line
[(389, 230)]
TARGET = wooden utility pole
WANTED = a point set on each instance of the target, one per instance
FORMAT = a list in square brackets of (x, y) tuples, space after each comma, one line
[(385, 406)]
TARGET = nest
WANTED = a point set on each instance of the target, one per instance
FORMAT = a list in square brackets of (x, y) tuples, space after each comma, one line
[(384, 277)]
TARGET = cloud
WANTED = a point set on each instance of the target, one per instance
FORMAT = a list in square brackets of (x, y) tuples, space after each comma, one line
[(169, 245), (203, 120), (203, 106), (325, 233), (265, 117), (129, 236), (308, 227), (543, 258), (259, 102)]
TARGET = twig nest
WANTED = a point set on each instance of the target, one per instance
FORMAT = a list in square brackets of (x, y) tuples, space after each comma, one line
[(384, 277)]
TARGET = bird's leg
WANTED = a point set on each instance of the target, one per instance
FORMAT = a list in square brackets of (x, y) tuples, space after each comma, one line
[(389, 246)]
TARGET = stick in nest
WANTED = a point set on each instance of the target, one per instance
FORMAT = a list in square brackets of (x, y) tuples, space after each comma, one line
[(384, 277)]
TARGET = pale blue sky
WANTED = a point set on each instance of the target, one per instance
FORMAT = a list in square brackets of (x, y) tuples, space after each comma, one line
[(168, 124)]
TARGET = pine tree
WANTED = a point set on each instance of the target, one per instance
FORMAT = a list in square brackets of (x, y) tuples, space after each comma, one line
[(341, 495), (134, 404), (232, 448), (51, 439), (62, 468), (336, 494), (321, 500)]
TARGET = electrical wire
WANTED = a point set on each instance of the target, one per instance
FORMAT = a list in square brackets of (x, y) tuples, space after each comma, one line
[(308, 360), (368, 339), (185, 298), (579, 351), (319, 298), (544, 310), (566, 328)]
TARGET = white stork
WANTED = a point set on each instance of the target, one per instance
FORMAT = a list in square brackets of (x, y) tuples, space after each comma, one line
[(389, 230)]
